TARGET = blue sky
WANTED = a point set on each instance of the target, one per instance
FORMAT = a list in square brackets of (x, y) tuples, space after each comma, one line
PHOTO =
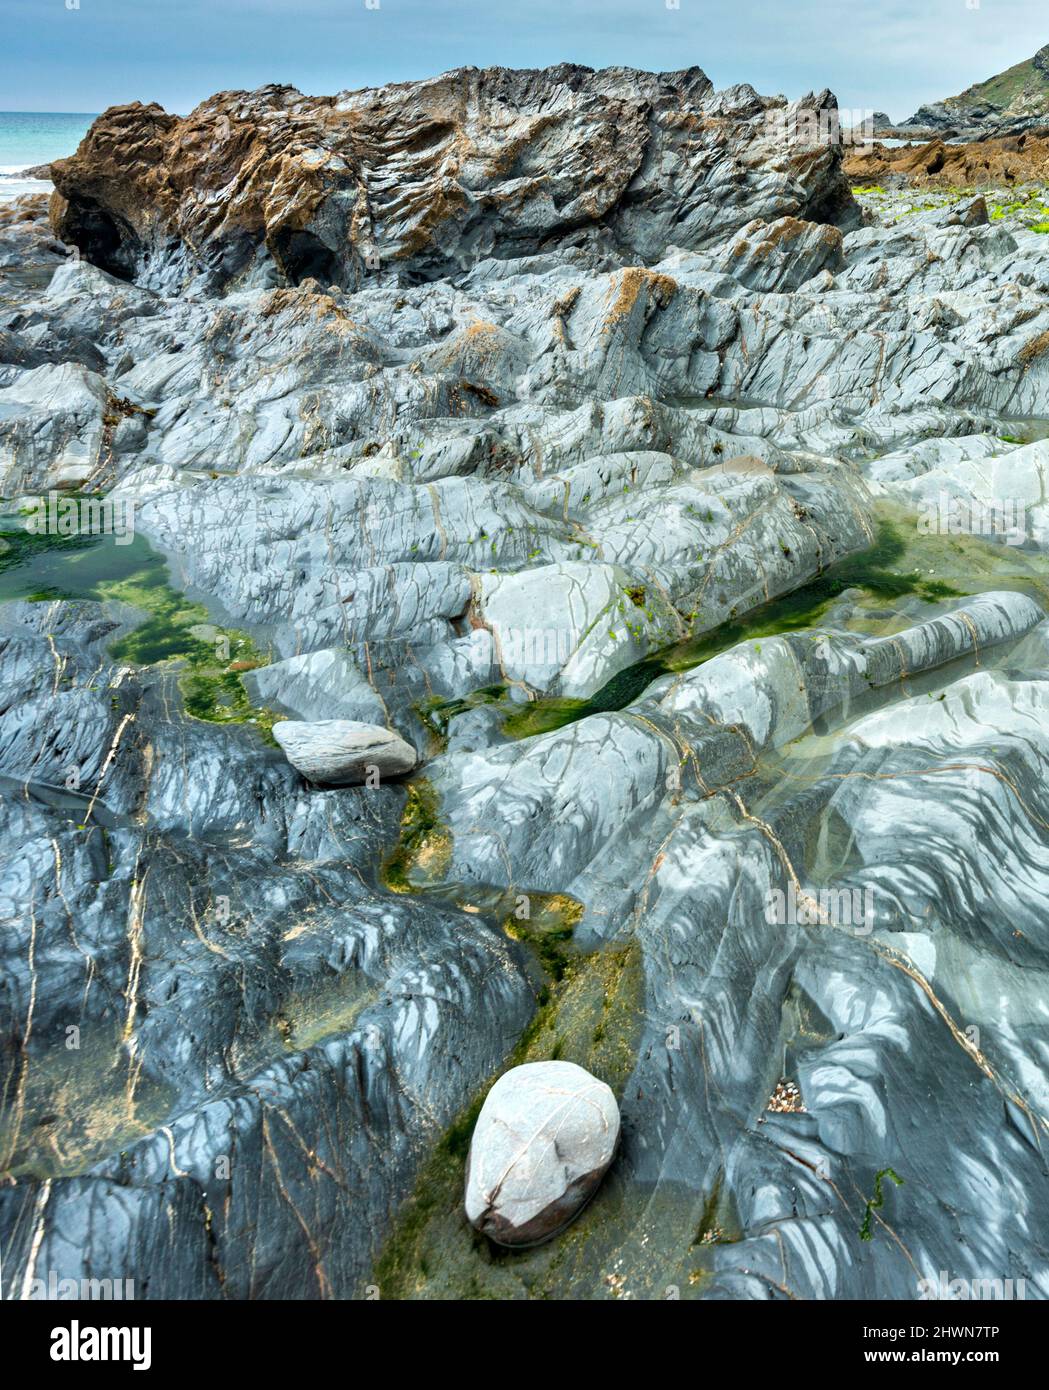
[(891, 55)]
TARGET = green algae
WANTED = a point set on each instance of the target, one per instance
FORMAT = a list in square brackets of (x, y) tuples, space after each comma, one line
[(424, 846), (437, 714), (877, 1201), (551, 712), (885, 570), (20, 549), (42, 566), (1024, 207), (1028, 204), (546, 923), (209, 670), (47, 567)]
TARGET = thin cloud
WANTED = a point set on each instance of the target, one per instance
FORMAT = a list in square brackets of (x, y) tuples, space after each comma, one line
[(893, 56)]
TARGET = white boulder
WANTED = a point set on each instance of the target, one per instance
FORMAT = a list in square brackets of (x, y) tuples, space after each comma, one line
[(543, 1141), (342, 751)]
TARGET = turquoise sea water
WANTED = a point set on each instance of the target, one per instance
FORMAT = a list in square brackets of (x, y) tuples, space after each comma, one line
[(28, 138)]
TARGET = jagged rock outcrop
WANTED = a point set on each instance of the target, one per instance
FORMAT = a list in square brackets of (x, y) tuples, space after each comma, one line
[(427, 178), (784, 254), (986, 163), (1009, 103)]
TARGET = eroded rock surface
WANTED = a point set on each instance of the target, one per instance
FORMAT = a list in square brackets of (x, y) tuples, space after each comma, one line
[(432, 176), (988, 162), (598, 441)]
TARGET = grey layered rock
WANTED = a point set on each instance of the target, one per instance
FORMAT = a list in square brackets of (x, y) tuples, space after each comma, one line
[(544, 1139), (341, 752), (315, 685), (53, 413), (477, 492), (784, 254), (616, 158), (540, 812), (569, 628)]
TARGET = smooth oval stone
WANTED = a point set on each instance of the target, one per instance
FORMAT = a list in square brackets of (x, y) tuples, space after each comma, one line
[(341, 751), (543, 1141)]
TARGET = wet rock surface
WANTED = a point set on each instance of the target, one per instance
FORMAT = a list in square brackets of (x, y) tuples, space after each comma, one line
[(686, 518)]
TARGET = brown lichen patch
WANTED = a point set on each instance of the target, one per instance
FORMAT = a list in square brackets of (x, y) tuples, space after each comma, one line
[(302, 304), (561, 310), (477, 348), (464, 394), (446, 202), (484, 331), (790, 228), (483, 393), (1009, 160), (1034, 349), (740, 463), (629, 286), (120, 408), (786, 229), (783, 232), (565, 305), (685, 120)]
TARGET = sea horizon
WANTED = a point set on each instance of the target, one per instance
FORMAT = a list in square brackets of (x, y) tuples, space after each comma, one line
[(31, 138)]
